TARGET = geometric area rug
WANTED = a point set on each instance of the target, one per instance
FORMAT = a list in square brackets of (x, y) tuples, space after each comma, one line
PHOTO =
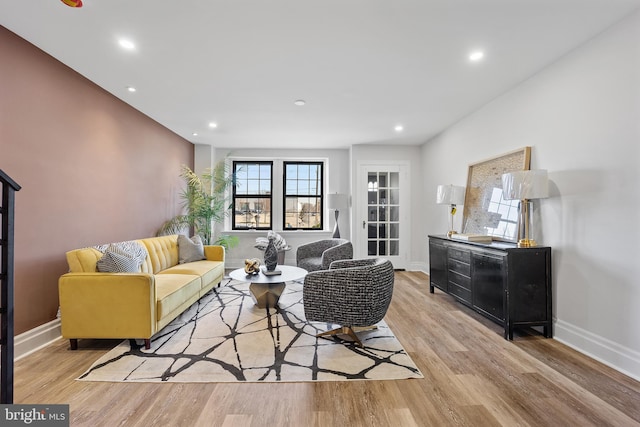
[(224, 337)]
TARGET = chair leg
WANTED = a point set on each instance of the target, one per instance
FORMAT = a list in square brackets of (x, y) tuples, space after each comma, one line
[(343, 330)]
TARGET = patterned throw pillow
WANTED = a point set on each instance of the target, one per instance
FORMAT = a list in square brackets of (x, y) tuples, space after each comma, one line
[(123, 257), (190, 249)]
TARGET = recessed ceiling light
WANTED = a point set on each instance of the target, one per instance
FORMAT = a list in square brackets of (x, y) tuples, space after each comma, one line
[(195, 134), (126, 44), (476, 56), (299, 102), (213, 125), (398, 128), (131, 88)]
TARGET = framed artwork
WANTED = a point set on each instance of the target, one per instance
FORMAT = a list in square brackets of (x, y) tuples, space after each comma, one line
[(485, 211)]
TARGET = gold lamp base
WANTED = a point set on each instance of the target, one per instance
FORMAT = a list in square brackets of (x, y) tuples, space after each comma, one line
[(527, 243), (450, 233)]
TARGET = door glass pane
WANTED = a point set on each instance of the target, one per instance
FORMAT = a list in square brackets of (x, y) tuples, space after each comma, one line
[(382, 249), (394, 196), (395, 180), (394, 231), (372, 197), (372, 231), (371, 248), (383, 197), (394, 247), (373, 214), (395, 213)]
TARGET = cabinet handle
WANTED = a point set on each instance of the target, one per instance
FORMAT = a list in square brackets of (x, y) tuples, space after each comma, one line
[(364, 223)]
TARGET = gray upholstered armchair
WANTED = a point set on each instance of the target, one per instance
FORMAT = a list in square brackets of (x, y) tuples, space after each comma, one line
[(352, 294), (319, 255)]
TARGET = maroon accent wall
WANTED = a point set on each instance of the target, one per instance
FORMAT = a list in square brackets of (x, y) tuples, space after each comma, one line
[(92, 169)]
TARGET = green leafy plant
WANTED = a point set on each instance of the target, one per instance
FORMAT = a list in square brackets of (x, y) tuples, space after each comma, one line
[(205, 203)]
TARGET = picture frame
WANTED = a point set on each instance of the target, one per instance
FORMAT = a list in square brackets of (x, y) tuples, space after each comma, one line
[(485, 210)]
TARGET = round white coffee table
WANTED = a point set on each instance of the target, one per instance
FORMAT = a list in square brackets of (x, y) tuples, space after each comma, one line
[(265, 289)]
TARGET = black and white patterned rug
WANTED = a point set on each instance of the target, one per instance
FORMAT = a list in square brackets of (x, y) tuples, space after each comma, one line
[(224, 337)]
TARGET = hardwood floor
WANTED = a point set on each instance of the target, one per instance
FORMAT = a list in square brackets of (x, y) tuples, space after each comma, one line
[(473, 377)]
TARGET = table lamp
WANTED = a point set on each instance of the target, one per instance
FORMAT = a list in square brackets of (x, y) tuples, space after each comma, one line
[(525, 186), (337, 201), (451, 195)]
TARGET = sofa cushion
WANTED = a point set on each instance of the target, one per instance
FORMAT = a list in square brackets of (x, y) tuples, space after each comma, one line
[(172, 290), (163, 253), (122, 257), (208, 270), (190, 249)]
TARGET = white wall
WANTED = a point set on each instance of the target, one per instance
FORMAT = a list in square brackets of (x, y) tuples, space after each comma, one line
[(581, 116), (336, 180)]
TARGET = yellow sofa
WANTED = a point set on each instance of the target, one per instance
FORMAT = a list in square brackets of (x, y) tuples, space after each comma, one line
[(133, 305)]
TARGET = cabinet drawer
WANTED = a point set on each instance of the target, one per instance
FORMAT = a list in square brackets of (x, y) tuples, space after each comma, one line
[(460, 292), (460, 280), (459, 255), (459, 267)]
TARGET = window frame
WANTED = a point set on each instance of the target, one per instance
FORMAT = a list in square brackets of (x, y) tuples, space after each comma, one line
[(321, 195), (235, 195)]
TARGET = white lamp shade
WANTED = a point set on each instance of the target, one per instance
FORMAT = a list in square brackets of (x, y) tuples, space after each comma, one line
[(522, 185), (338, 201), (450, 195)]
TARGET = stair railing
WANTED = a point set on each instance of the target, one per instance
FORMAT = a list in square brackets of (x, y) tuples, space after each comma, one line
[(7, 213)]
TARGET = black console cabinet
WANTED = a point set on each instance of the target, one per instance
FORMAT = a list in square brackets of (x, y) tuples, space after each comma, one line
[(507, 284)]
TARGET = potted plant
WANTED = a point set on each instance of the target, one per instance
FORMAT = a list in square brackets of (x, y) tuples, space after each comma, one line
[(204, 202)]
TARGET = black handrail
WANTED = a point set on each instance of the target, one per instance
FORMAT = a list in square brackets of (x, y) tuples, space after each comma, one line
[(7, 212)]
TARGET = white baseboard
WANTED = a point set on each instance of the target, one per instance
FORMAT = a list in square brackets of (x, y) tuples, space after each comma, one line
[(36, 338), (612, 354)]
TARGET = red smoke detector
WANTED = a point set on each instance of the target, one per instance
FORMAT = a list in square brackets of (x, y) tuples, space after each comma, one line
[(73, 3)]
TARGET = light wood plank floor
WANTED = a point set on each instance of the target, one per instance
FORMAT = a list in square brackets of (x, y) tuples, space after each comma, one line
[(473, 377)]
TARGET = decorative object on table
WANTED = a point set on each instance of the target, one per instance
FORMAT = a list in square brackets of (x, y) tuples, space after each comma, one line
[(320, 254), (243, 345), (205, 202), (451, 195), (525, 186), (279, 242), (271, 255), (336, 202), (252, 266), (485, 210)]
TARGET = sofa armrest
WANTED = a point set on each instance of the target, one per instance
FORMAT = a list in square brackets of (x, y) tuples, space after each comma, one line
[(107, 305), (214, 252)]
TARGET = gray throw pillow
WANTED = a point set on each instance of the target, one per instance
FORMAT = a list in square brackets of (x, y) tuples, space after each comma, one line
[(190, 249)]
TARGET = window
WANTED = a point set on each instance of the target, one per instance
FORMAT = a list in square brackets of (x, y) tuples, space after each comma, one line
[(303, 199), (252, 195)]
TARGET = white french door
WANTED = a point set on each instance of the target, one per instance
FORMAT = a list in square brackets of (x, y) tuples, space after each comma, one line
[(383, 215)]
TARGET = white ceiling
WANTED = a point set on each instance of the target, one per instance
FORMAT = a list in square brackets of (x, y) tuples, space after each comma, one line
[(363, 66)]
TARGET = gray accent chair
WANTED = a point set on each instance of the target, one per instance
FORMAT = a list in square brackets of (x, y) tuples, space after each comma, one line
[(320, 254), (354, 294)]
